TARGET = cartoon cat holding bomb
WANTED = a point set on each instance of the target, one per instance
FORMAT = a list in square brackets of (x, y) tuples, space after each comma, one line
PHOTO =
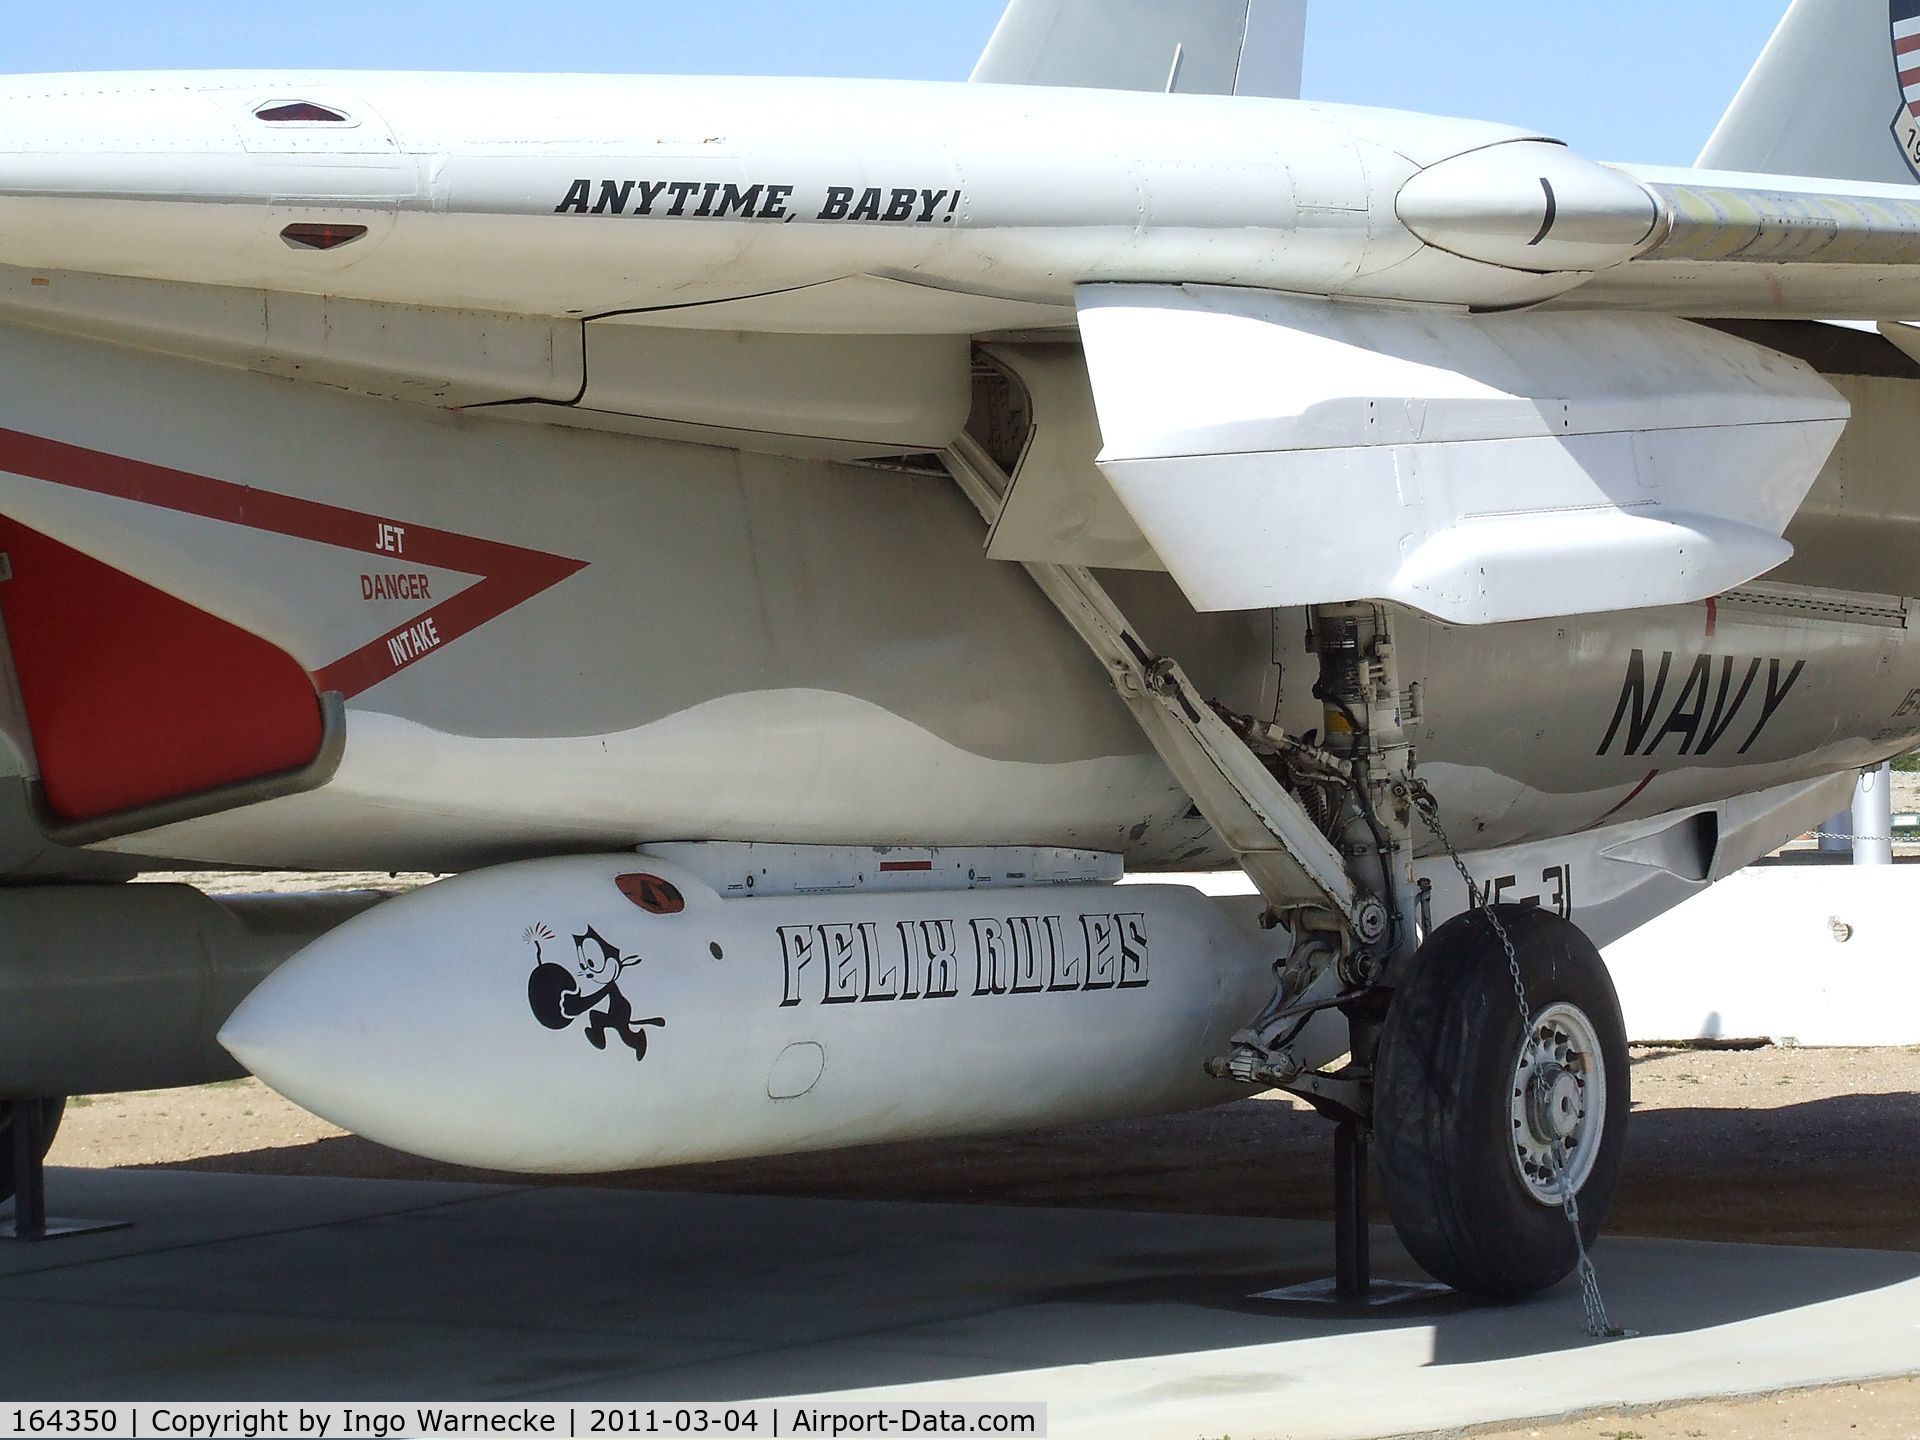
[(560, 994)]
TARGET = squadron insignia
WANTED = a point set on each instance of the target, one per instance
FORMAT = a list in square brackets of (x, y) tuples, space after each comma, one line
[(1906, 61)]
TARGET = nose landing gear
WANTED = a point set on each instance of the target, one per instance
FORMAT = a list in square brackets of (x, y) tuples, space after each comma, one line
[(1490, 1139)]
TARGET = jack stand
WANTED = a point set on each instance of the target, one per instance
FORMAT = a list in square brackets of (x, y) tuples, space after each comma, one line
[(1353, 1285), (30, 1220)]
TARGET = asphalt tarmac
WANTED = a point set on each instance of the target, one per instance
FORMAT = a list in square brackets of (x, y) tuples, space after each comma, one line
[(233, 1287)]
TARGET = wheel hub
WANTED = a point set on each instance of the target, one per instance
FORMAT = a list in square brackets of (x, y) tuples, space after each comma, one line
[(1555, 1104), (1559, 1103)]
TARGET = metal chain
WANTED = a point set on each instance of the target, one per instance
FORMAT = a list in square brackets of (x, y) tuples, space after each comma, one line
[(1598, 1325), (1833, 835)]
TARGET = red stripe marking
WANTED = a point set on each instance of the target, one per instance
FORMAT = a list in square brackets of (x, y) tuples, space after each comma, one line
[(1632, 795), (509, 575), (1906, 46), (888, 866), (1908, 77), (1713, 617)]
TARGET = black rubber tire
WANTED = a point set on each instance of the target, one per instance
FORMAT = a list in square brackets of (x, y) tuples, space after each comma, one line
[(1442, 1102), (51, 1112)]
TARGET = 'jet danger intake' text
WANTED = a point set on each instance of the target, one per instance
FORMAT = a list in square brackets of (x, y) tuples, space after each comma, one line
[(938, 959)]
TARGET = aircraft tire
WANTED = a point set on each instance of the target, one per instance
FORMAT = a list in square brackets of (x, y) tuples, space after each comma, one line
[(51, 1112), (1474, 1205)]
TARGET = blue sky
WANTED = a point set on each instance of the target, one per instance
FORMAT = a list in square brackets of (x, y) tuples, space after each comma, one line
[(1621, 79)]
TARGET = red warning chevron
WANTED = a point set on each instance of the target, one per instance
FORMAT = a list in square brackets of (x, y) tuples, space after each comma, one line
[(510, 575)]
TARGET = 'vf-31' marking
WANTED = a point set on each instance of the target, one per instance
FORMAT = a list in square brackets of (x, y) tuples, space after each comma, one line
[(1720, 695), (1555, 894)]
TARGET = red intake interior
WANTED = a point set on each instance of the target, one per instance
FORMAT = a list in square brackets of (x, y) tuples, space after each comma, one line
[(134, 696)]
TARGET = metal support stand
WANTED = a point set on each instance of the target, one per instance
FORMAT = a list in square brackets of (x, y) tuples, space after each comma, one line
[(29, 1221), (1352, 1285), (1352, 1259)]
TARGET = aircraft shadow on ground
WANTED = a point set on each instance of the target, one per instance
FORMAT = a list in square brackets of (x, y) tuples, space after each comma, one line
[(823, 1295)]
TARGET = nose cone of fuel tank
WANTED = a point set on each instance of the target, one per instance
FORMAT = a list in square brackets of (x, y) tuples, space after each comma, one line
[(589, 1014), (1529, 205)]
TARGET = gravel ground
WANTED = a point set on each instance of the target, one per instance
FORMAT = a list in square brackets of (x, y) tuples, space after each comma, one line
[(1906, 792)]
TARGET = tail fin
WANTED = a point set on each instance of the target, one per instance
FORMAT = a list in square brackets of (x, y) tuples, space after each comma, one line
[(1195, 47), (1836, 94)]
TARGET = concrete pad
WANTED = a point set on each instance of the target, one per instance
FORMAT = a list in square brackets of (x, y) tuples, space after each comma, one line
[(246, 1287), (174, 1214)]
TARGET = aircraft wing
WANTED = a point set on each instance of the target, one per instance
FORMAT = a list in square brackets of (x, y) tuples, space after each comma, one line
[(1836, 94), (1199, 47), (1731, 245)]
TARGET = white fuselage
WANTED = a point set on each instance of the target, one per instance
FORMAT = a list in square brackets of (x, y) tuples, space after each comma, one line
[(546, 639), (750, 647), (580, 195)]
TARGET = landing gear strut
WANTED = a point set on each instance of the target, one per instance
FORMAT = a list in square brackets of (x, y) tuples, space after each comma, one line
[(1324, 825), (1488, 1061)]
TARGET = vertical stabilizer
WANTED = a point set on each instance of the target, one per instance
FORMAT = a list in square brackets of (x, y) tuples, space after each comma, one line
[(1836, 93), (1197, 47)]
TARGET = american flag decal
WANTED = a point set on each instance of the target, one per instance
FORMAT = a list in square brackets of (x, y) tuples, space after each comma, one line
[(1905, 16), (1906, 50)]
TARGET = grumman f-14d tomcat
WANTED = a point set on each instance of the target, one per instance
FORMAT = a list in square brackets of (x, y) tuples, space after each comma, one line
[(789, 545)]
